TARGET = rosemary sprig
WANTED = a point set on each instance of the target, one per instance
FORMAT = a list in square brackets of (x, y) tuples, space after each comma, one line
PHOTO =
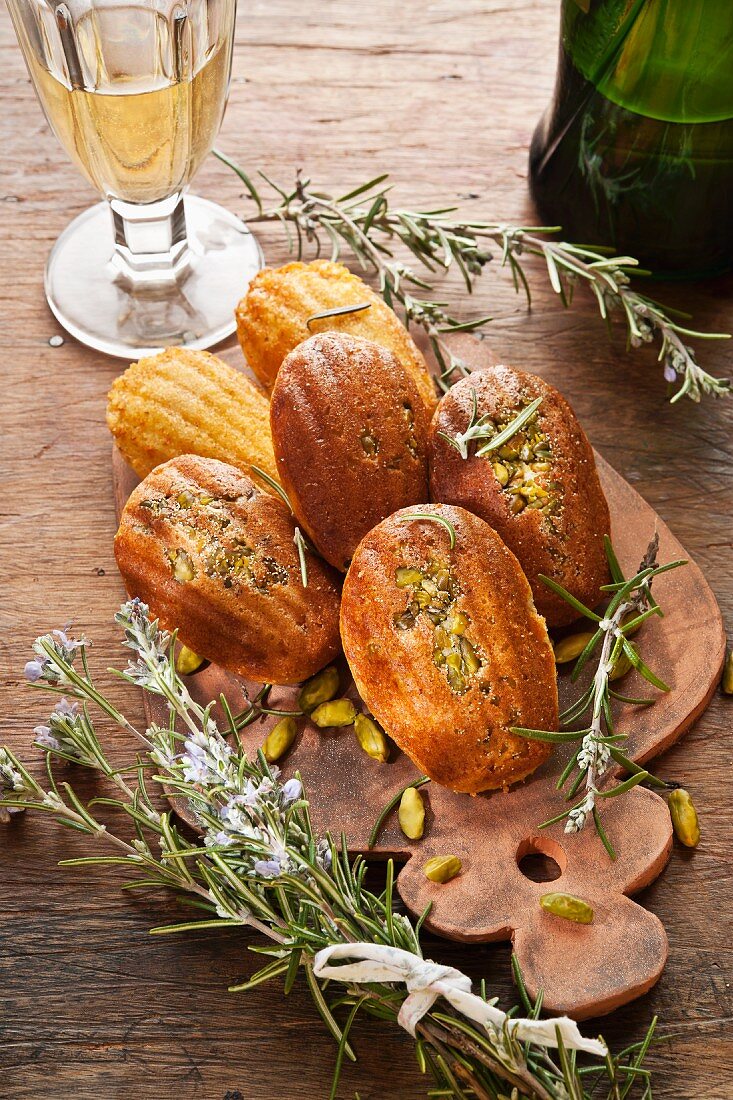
[(260, 865), (433, 517), (483, 428), (364, 223), (301, 546), (631, 604)]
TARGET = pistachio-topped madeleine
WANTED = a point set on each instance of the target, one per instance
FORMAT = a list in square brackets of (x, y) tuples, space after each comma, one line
[(349, 430), (446, 647), (281, 308), (538, 488), (215, 557)]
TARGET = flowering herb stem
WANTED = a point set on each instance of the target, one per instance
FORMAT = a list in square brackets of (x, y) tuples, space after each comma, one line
[(259, 864), (631, 604), (365, 224)]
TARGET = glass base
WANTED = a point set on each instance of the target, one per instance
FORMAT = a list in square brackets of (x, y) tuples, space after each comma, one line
[(193, 308)]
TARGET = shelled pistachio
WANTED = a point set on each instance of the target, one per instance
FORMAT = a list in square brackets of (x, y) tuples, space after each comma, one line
[(371, 738), (411, 814), (569, 648), (442, 868), (684, 818), (279, 739), (568, 907), (335, 712), (187, 661), (319, 689)]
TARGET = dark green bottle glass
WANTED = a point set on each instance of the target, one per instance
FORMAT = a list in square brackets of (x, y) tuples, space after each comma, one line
[(636, 149)]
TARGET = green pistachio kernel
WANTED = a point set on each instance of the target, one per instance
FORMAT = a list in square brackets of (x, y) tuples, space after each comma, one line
[(371, 738), (411, 814), (336, 712), (187, 661), (279, 739), (442, 868), (567, 907), (405, 576), (684, 818), (570, 648), (319, 689)]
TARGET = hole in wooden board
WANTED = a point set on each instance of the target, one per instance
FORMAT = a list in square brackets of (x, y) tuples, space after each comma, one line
[(540, 859)]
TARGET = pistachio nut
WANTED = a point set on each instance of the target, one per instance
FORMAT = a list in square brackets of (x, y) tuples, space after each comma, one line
[(319, 689), (567, 907), (371, 738), (442, 868), (411, 814), (684, 818), (279, 739), (570, 648), (187, 661), (335, 712), (622, 666)]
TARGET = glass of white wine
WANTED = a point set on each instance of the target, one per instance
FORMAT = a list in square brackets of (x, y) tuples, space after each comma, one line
[(135, 91)]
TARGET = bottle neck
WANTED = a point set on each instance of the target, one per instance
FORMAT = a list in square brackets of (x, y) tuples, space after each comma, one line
[(659, 58)]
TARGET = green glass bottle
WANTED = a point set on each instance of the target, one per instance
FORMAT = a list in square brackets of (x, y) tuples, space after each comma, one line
[(636, 149)]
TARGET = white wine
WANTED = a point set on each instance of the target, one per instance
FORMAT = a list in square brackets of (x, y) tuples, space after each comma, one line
[(150, 106)]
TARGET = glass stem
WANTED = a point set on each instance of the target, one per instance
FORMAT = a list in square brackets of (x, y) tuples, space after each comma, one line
[(151, 245)]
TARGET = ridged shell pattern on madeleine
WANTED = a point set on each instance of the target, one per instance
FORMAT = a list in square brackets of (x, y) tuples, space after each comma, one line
[(539, 490), (189, 402), (214, 557), (350, 435), (447, 650), (273, 318)]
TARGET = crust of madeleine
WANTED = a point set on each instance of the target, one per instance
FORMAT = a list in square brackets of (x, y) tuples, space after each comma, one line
[(568, 548), (214, 557), (462, 741), (189, 402), (350, 435), (272, 319)]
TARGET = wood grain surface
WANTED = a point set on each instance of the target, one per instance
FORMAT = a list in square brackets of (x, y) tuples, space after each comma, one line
[(445, 97)]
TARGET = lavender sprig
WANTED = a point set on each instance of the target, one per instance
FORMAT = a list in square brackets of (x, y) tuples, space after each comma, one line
[(260, 864), (363, 222)]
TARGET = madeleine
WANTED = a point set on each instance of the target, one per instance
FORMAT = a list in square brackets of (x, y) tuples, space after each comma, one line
[(215, 558), (278, 311), (539, 490), (446, 647), (189, 402), (349, 430)]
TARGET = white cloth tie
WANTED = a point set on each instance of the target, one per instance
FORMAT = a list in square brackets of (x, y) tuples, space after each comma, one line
[(426, 981)]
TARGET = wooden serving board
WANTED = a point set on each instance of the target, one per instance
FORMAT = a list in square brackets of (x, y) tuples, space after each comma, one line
[(583, 970)]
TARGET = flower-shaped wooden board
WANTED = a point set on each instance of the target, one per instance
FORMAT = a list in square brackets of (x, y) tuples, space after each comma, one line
[(584, 970)]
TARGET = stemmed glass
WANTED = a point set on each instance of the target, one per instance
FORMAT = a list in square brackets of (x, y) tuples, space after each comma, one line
[(135, 91)]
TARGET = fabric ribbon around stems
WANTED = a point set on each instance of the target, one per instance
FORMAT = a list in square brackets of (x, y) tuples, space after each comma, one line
[(426, 981)]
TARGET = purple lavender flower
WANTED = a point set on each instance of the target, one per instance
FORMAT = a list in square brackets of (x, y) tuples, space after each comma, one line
[(45, 738), (670, 374), (267, 868), (292, 790), (33, 671)]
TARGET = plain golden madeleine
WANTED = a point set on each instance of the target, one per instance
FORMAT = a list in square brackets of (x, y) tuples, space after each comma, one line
[(272, 319), (189, 402)]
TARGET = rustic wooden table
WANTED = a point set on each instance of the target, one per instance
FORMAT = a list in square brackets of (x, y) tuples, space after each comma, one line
[(444, 96)]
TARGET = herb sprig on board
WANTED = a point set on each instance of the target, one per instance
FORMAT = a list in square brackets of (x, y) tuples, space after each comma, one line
[(363, 223), (598, 749), (258, 864)]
